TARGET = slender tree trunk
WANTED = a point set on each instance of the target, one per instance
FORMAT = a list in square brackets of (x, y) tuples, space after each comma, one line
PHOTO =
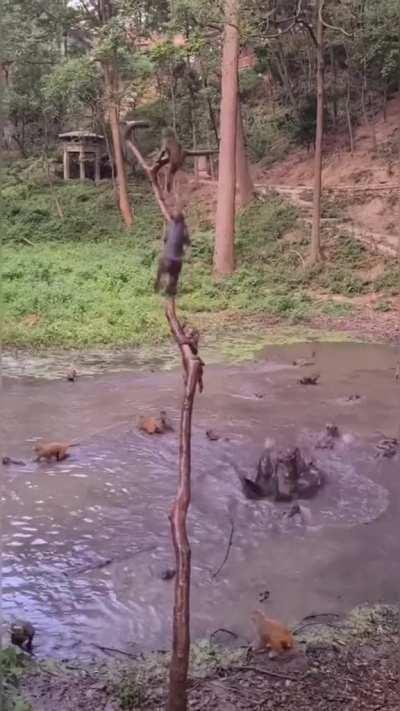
[(193, 367), (316, 218), (124, 204), (348, 116), (281, 67), (173, 102), (111, 159), (213, 120), (245, 183), (334, 88), (385, 99), (369, 124), (224, 255)]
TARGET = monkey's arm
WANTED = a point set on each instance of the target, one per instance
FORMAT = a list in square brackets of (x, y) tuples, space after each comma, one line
[(186, 236)]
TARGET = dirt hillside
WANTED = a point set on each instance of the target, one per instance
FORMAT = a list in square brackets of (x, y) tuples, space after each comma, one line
[(365, 184)]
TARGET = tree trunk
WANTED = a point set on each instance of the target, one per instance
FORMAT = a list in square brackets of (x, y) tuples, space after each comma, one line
[(282, 70), (193, 367), (334, 88), (224, 257), (316, 218), (369, 124), (124, 204), (245, 183), (348, 116)]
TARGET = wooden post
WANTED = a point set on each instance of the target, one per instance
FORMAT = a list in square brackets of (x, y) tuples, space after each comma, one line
[(203, 163), (81, 163), (97, 165), (66, 164), (193, 379)]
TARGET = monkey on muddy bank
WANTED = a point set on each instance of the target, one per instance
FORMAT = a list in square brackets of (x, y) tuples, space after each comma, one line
[(48, 450), (272, 635), (170, 264)]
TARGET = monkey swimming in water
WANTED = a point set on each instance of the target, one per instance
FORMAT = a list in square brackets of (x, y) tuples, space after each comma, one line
[(58, 450), (170, 264), (272, 635), (155, 425), (22, 634)]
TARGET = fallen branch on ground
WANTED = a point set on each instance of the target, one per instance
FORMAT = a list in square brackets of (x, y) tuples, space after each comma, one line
[(131, 655), (267, 672), (228, 548)]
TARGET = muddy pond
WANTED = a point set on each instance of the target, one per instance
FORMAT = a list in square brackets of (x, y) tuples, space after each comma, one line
[(85, 541)]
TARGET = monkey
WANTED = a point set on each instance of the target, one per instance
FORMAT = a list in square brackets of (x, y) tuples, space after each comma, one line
[(22, 634), (170, 264), (9, 460), (154, 425), (272, 634), (327, 441), (165, 421), (212, 436), (58, 450), (72, 375), (309, 380), (173, 154)]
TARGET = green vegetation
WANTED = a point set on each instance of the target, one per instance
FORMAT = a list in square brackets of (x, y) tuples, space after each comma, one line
[(141, 683), (13, 663), (82, 280)]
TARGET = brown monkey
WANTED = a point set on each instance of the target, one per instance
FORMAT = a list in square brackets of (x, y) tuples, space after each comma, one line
[(170, 264), (173, 154), (72, 375), (22, 634), (272, 634), (155, 425), (58, 450)]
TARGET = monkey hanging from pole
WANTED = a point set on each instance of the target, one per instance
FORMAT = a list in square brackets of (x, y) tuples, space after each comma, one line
[(173, 154), (170, 264)]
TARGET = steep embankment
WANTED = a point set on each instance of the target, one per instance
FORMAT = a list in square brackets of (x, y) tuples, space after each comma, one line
[(361, 189)]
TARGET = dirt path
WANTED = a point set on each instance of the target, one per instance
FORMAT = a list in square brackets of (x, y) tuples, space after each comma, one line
[(302, 196)]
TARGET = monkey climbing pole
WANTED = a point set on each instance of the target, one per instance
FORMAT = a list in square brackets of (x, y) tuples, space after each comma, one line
[(187, 341)]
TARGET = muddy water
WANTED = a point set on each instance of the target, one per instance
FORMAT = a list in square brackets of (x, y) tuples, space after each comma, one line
[(85, 541)]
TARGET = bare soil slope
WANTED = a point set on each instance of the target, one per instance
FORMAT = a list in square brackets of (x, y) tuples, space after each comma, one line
[(365, 184)]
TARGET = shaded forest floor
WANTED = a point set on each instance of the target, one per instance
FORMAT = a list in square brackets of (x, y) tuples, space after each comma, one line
[(351, 662), (80, 280)]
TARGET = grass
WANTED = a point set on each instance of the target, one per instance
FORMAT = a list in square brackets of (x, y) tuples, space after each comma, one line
[(82, 280), (13, 663)]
